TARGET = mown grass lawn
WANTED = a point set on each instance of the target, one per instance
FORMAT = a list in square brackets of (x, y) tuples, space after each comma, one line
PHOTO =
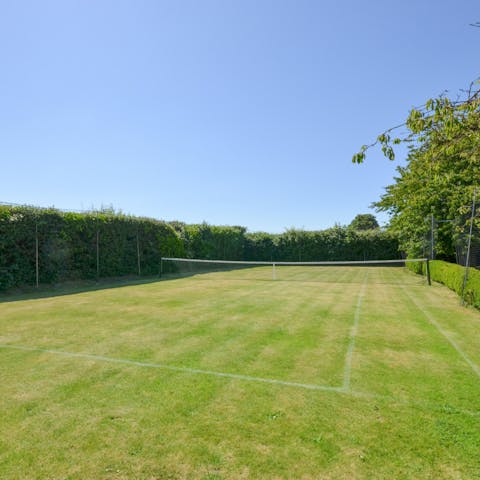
[(338, 374)]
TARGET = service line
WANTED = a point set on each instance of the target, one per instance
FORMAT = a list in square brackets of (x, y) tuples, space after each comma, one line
[(353, 334)]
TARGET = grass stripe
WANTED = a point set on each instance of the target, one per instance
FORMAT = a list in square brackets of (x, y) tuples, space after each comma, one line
[(322, 388), (453, 343), (418, 403), (173, 368)]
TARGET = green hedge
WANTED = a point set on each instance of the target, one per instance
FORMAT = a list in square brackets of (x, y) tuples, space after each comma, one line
[(67, 245), (451, 275), (234, 243), (333, 244)]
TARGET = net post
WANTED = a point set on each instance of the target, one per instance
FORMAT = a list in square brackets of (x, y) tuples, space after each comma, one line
[(427, 268), (274, 273), (161, 267)]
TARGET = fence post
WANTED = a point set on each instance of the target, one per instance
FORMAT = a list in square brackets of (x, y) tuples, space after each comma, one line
[(37, 271), (467, 261), (432, 239), (98, 254), (138, 256)]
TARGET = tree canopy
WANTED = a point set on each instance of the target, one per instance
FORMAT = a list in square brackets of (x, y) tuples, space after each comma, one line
[(442, 170), (364, 221)]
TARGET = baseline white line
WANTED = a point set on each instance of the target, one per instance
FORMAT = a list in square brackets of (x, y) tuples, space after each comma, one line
[(453, 343), (162, 366), (337, 390), (353, 334)]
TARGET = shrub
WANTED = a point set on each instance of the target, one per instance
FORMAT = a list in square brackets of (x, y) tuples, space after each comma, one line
[(452, 275)]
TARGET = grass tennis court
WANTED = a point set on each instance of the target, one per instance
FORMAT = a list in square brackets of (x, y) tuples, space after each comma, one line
[(330, 373)]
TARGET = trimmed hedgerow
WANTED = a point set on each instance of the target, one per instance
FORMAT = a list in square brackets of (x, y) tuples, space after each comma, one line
[(333, 244), (234, 243), (67, 245), (452, 275)]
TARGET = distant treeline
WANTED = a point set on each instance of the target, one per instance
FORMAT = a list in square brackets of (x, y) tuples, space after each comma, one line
[(73, 246)]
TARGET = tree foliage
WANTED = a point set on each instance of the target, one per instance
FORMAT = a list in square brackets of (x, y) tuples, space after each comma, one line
[(364, 221), (442, 170)]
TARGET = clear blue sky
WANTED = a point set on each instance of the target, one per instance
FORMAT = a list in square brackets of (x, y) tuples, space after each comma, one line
[(241, 112)]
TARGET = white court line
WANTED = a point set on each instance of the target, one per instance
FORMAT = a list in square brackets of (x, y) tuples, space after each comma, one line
[(353, 333), (162, 366), (323, 388), (453, 343)]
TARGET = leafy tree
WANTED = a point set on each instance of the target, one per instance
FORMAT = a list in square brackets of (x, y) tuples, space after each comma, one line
[(364, 221), (442, 170)]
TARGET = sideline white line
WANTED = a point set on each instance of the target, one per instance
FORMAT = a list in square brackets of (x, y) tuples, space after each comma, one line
[(453, 343), (353, 333), (162, 366)]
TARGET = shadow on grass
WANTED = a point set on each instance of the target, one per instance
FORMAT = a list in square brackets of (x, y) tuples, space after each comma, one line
[(80, 286), (72, 287)]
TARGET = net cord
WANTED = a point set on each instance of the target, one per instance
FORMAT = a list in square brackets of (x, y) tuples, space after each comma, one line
[(240, 262)]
